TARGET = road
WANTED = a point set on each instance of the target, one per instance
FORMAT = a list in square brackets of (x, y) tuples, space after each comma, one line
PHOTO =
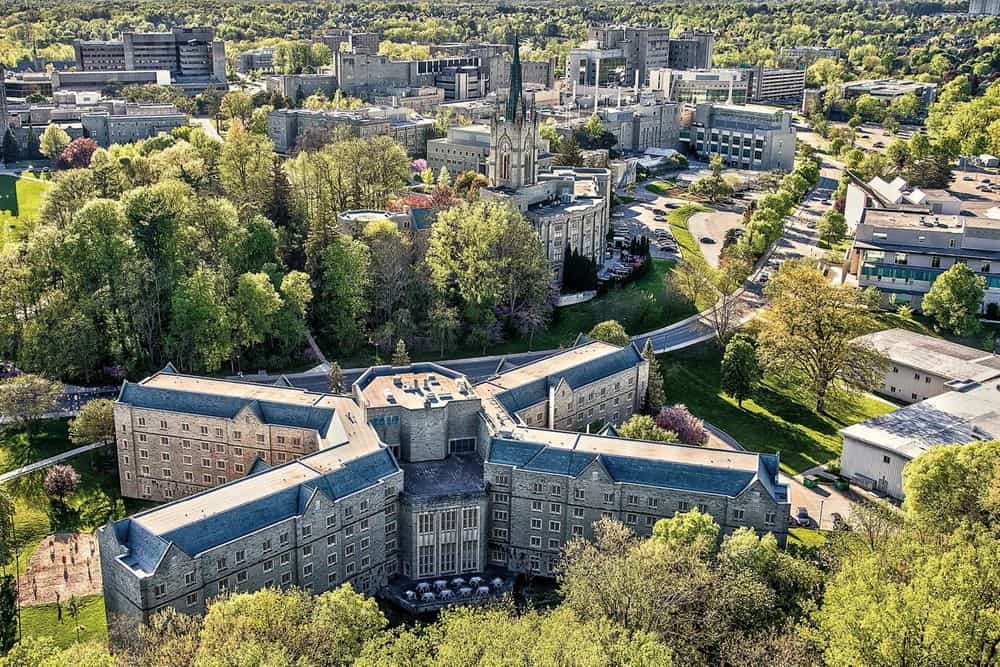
[(44, 463)]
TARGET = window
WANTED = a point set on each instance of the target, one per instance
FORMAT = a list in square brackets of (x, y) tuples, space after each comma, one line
[(633, 499), (142, 421), (283, 539), (348, 511), (220, 564), (470, 517), (307, 551), (449, 520), (189, 578), (609, 497), (160, 590), (166, 473), (390, 527), (653, 503), (500, 533), (501, 498), (769, 518), (536, 505), (535, 541), (578, 494), (556, 490), (886, 459), (425, 561), (204, 430), (331, 541), (237, 435), (331, 521), (307, 570), (502, 479), (536, 524), (331, 559), (307, 530), (537, 487), (163, 423), (143, 453), (554, 543), (365, 543), (631, 519), (285, 559), (286, 578), (462, 445), (364, 506), (738, 515), (266, 546), (578, 512), (555, 526), (206, 463), (683, 506), (192, 599), (241, 577), (268, 565), (241, 556), (499, 515), (260, 437), (555, 508)]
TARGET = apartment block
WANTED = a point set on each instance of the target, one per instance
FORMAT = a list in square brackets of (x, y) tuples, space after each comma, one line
[(624, 55), (255, 60), (136, 124), (747, 137), (770, 85), (415, 474)]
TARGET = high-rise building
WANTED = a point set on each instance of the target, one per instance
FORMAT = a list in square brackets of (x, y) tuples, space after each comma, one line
[(984, 7), (747, 137), (623, 55), (187, 53)]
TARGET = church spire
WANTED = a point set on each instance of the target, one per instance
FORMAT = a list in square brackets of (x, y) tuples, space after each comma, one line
[(514, 96)]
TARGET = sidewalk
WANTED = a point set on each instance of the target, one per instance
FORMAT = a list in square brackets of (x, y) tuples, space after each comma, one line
[(52, 460)]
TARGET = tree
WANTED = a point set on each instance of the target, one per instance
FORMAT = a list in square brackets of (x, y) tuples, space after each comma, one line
[(716, 290), (486, 259), (342, 288), (245, 170), (713, 186), (61, 481), (911, 603), (275, 627), (689, 429), (53, 141), (808, 337), (25, 399), (876, 521), (335, 378), (741, 373), (953, 485), (252, 310), (200, 337), (8, 613), (8, 534), (689, 529), (656, 396), (94, 423), (610, 331), (643, 427), (9, 150), (400, 357), (833, 226), (237, 105), (77, 154), (955, 298), (569, 154)]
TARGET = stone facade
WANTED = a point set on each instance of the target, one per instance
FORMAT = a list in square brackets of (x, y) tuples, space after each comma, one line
[(416, 474)]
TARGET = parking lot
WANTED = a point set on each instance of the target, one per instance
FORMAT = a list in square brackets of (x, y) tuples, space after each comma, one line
[(709, 229)]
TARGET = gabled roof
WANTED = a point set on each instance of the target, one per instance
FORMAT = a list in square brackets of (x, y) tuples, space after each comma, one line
[(313, 417), (663, 465), (206, 520)]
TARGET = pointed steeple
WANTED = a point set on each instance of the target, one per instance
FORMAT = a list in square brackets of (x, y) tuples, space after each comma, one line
[(514, 96)]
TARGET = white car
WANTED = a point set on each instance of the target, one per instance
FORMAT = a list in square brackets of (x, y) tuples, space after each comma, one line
[(618, 215)]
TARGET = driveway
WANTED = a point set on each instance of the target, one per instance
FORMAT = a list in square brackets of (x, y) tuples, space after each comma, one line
[(713, 225)]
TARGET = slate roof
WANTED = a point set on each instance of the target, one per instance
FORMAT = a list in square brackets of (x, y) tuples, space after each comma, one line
[(318, 418), (201, 533), (727, 481)]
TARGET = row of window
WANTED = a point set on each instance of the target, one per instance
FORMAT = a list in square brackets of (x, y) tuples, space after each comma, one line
[(447, 520), (218, 431)]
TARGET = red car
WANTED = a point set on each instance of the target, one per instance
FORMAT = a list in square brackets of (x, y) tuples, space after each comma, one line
[(659, 211)]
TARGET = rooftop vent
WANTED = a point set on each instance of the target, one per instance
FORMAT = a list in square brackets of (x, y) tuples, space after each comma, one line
[(398, 381), (389, 397)]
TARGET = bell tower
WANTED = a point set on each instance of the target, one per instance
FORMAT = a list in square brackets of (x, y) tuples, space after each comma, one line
[(513, 159)]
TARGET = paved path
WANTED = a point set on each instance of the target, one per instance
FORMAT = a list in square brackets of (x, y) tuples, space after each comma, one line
[(52, 460)]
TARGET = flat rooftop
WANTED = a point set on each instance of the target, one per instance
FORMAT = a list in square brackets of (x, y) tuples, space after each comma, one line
[(934, 355), (458, 474), (413, 387), (953, 417), (879, 217)]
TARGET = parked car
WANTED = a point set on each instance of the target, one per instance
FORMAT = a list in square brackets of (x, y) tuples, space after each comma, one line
[(802, 517), (660, 218), (707, 240), (764, 277), (618, 214), (659, 211), (838, 522)]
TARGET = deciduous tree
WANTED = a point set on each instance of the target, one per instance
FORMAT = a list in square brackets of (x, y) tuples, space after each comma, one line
[(644, 427), (61, 481), (94, 423), (955, 298), (610, 331), (25, 399), (741, 373)]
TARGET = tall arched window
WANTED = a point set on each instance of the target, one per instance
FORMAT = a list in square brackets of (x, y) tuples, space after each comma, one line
[(504, 162), (529, 160)]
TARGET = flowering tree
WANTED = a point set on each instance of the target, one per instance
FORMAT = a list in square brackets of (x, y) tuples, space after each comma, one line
[(77, 155), (61, 481), (689, 429)]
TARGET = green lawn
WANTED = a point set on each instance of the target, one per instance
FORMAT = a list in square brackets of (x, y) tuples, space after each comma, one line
[(806, 537), (777, 420), (41, 620), (20, 199)]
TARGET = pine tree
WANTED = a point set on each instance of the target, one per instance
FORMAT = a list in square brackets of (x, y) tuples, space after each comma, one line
[(655, 395), (400, 357), (10, 149)]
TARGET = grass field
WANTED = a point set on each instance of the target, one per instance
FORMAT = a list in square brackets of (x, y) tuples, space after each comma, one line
[(42, 620), (776, 420), (20, 199), (806, 537)]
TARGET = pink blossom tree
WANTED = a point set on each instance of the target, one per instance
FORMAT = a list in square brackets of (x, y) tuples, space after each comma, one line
[(689, 429), (61, 481)]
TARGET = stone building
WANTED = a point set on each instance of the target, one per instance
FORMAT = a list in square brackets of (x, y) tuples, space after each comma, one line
[(747, 137), (416, 474), (285, 127), (191, 54), (568, 206)]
